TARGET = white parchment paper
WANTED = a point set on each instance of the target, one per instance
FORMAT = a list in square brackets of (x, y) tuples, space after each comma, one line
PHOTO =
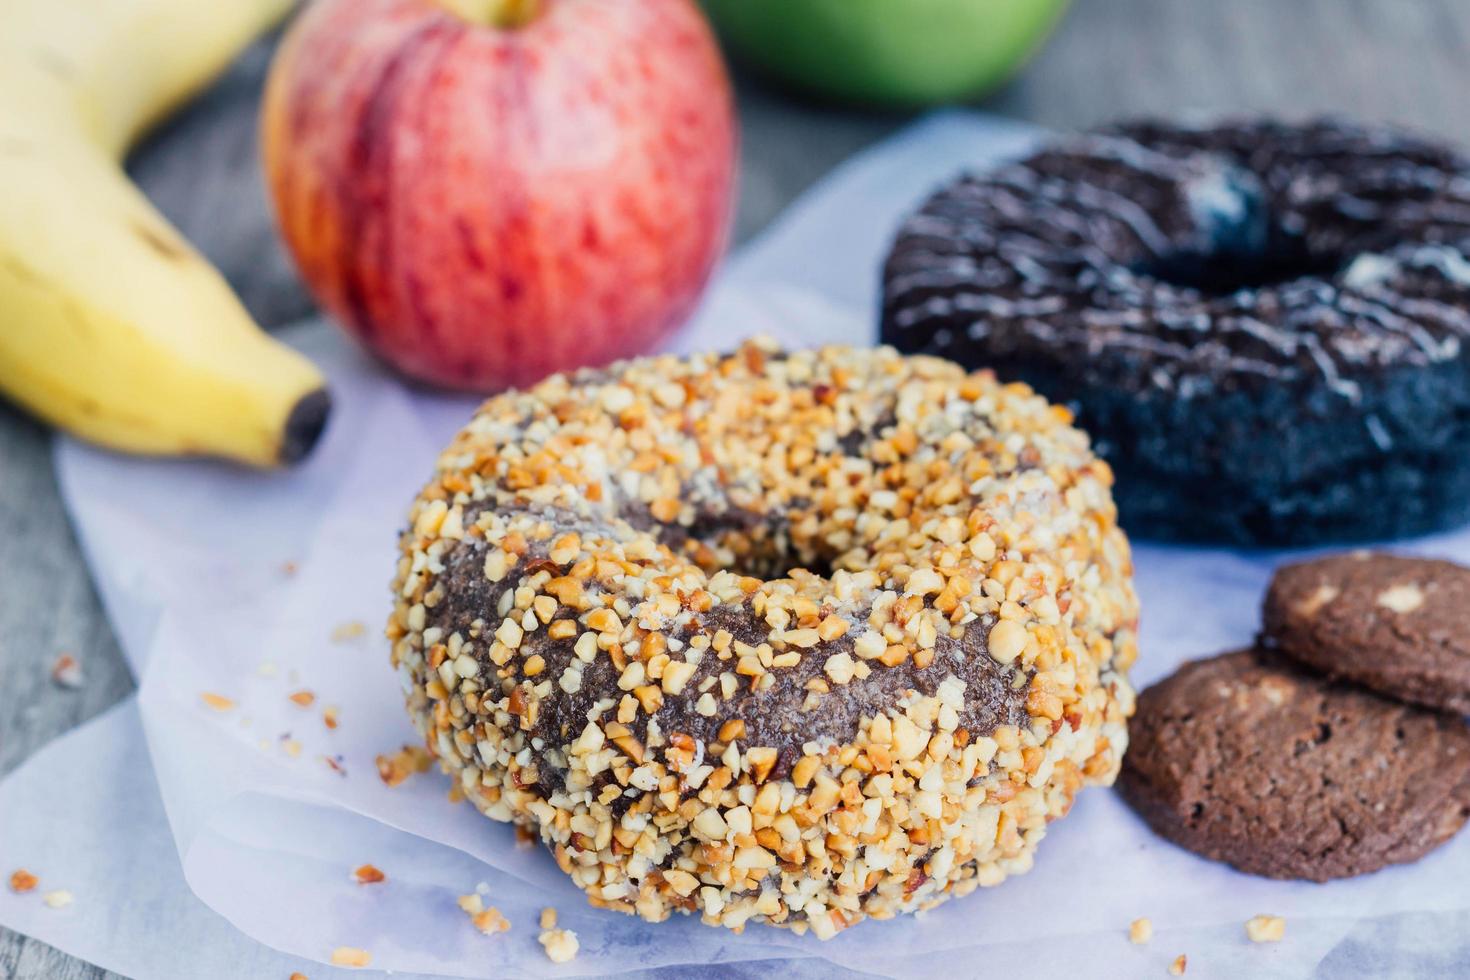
[(217, 843)]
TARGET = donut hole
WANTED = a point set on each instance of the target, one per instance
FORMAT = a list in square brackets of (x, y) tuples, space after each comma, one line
[(1242, 244), (766, 549), (1226, 271)]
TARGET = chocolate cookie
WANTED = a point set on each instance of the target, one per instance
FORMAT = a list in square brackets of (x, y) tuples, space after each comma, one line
[(1263, 325), (1248, 759), (1398, 625)]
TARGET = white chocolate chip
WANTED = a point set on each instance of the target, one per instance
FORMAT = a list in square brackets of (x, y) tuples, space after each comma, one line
[(1313, 603), (1402, 598)]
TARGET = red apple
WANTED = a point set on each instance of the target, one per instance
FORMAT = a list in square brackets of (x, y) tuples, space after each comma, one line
[(487, 191)]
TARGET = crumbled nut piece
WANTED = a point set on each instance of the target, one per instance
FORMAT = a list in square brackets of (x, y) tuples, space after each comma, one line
[(839, 667), (22, 880), (349, 630), (548, 918), (366, 874), (1266, 928), (1006, 641), (331, 715), (1140, 931), (472, 904), (67, 672), (560, 944), (298, 976), (351, 956), (1179, 965), (490, 921), (217, 701), (58, 899), (303, 699), (394, 769)]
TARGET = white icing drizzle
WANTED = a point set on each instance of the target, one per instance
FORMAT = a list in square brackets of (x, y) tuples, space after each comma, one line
[(1042, 255)]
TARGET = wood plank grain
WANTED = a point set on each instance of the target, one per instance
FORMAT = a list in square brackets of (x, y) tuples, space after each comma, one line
[(1385, 59)]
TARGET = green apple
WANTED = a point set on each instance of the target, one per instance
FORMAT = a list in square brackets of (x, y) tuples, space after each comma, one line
[(896, 52)]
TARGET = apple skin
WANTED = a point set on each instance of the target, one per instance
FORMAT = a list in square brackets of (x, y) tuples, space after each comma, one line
[(483, 206), (887, 52)]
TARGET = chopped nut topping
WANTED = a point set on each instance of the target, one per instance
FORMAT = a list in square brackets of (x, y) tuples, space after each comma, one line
[(1007, 640), (1140, 931), (22, 880), (1179, 965), (303, 699)]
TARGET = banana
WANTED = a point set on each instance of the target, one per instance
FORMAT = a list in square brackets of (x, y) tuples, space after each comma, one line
[(111, 326)]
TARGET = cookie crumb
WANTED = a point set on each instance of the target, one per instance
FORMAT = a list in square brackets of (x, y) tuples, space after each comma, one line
[(349, 630), (330, 716), (548, 918), (67, 672), (291, 747), (366, 874), (1140, 931), (217, 701), (298, 976), (58, 899), (471, 904), (22, 881), (560, 944), (1266, 928), (1180, 964), (303, 699), (351, 956)]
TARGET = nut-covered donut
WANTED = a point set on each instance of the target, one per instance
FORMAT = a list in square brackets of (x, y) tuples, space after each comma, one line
[(791, 638), (1265, 326)]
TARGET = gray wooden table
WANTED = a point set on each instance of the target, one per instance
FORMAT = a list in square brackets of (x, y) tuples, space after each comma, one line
[(1402, 60)]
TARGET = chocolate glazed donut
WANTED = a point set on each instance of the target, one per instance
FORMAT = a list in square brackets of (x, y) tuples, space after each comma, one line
[(1263, 325), (797, 639)]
